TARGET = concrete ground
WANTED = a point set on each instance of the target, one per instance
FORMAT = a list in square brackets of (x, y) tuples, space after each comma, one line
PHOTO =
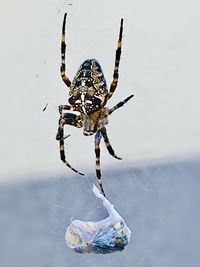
[(159, 202)]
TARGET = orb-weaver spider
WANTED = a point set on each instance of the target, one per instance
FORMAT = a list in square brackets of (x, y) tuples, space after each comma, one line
[(88, 94)]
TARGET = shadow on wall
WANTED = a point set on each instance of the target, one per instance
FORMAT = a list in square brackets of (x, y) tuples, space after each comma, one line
[(160, 204)]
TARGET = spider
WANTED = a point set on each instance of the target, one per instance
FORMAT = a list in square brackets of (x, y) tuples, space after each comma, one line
[(88, 95)]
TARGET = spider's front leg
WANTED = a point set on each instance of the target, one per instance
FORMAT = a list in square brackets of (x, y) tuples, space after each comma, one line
[(107, 143), (73, 120), (97, 141)]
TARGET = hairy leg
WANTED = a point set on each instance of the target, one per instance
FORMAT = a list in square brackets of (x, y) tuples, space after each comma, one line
[(107, 143), (63, 50), (69, 119), (119, 105), (98, 137), (117, 61)]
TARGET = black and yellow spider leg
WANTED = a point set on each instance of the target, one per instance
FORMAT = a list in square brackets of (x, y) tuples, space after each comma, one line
[(98, 136), (70, 119), (107, 143), (63, 50), (65, 107), (117, 60), (119, 105)]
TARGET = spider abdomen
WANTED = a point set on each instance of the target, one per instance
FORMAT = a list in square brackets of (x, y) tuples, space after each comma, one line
[(88, 89)]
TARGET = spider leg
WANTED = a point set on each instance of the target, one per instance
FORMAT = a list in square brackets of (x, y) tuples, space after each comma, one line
[(107, 142), (65, 107), (98, 136), (119, 105), (70, 119), (117, 60), (63, 50)]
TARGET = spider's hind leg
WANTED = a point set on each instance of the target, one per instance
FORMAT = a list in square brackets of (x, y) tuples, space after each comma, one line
[(117, 60), (73, 120), (63, 50)]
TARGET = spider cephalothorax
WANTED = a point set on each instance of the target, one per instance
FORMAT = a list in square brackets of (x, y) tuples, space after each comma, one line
[(88, 94)]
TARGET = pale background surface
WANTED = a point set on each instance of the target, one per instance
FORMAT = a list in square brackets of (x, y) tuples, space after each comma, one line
[(160, 65), (157, 133)]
